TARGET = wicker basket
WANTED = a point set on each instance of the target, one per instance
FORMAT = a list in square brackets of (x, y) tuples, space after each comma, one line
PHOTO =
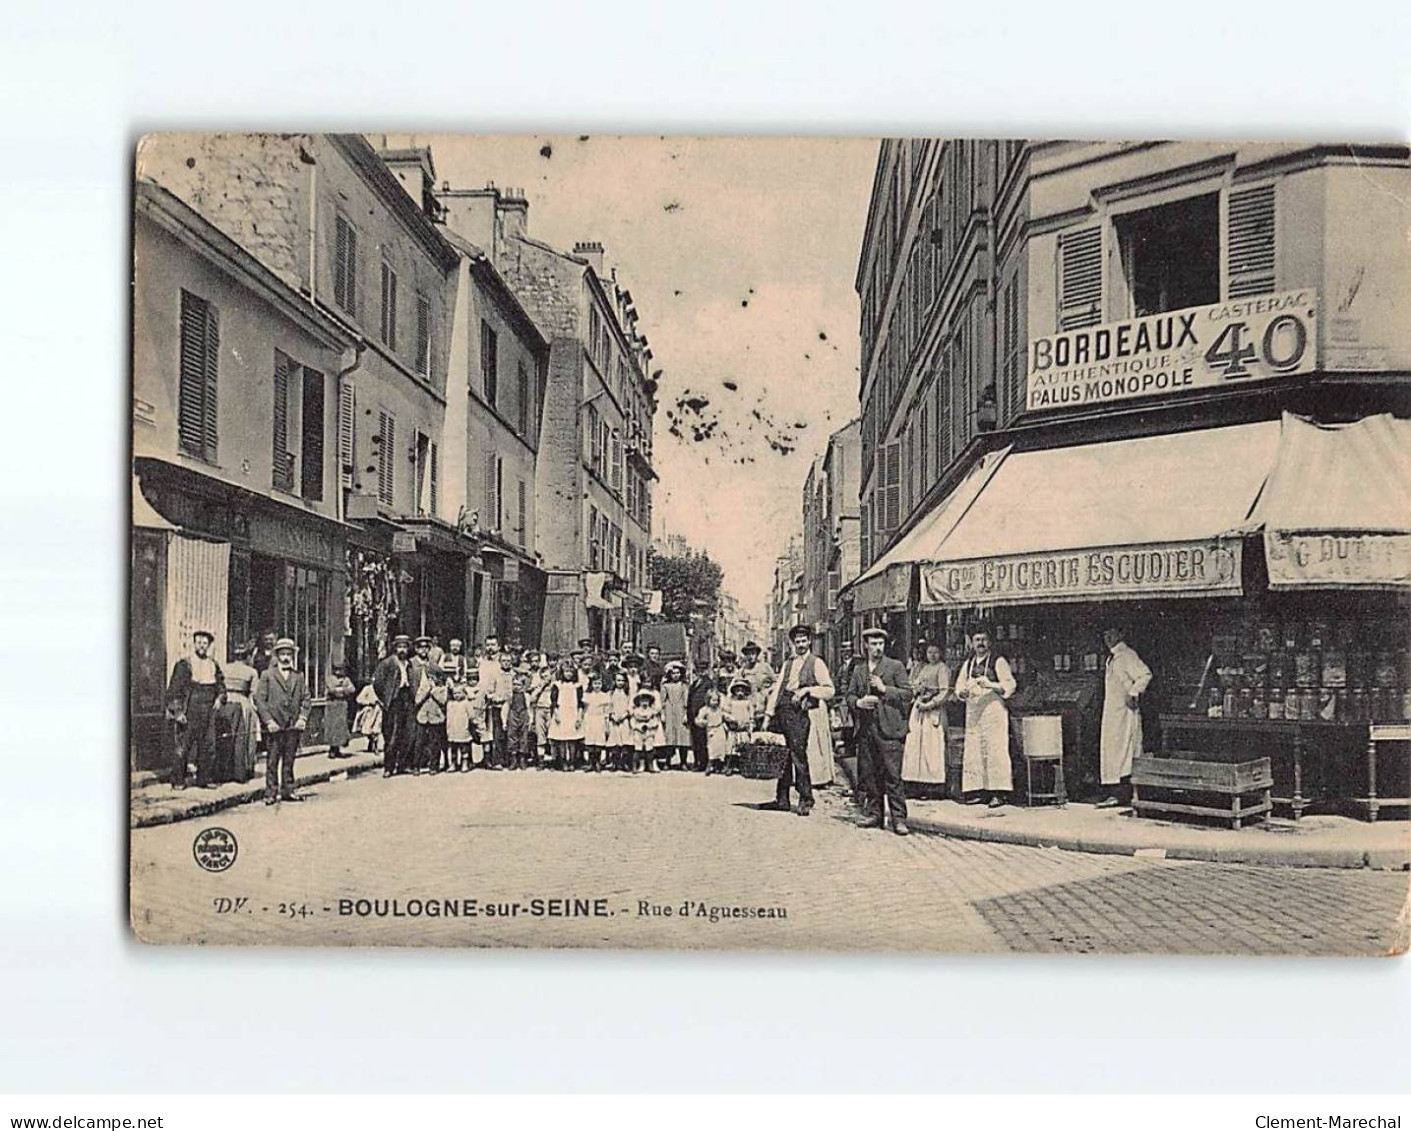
[(763, 756)]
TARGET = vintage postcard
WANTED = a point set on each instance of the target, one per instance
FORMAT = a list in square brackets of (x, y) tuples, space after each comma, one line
[(950, 544)]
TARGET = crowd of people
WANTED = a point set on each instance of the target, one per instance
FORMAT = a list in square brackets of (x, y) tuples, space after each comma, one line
[(445, 710), (434, 710)]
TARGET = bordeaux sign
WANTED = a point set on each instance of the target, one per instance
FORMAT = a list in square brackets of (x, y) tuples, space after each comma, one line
[(1167, 569), (1249, 339)]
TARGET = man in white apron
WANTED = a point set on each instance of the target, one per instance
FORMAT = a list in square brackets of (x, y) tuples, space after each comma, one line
[(984, 683), (803, 684), (1125, 680)]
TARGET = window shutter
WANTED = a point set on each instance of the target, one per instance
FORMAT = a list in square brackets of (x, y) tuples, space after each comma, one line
[(311, 453), (865, 532), (1079, 278), (423, 335), (389, 307), (1250, 239), (523, 400), (346, 431), (211, 368), (345, 266), (523, 512), (196, 395), (493, 508), (283, 462), (386, 469), (435, 473), (891, 517)]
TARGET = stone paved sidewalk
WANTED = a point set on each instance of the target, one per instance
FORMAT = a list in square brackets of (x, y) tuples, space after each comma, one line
[(154, 802), (1315, 841)]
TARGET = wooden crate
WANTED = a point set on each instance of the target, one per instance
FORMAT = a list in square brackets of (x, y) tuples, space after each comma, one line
[(1202, 788)]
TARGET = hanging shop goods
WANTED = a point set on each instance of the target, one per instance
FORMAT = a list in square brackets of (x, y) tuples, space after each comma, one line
[(1225, 343)]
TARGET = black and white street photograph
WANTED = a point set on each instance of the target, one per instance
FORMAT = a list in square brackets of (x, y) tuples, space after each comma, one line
[(925, 543)]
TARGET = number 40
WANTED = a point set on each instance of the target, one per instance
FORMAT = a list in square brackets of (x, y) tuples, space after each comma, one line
[(1282, 347)]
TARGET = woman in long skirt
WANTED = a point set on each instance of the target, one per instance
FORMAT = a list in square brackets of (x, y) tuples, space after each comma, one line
[(675, 724), (335, 713), (924, 756), (238, 716)]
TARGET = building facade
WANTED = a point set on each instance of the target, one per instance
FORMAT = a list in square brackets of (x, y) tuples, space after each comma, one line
[(831, 545), (1083, 363), (313, 441), (594, 476)]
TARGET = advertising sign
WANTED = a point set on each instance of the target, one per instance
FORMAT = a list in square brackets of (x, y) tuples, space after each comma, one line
[(1225, 343), (1337, 561), (1170, 569)]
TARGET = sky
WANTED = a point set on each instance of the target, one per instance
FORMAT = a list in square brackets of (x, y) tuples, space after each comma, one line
[(740, 254)]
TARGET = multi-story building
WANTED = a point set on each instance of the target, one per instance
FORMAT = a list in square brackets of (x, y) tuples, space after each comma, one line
[(830, 536), (594, 473), (785, 605), (310, 440), (1135, 383)]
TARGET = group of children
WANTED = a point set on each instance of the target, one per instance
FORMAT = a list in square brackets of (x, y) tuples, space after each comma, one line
[(501, 712)]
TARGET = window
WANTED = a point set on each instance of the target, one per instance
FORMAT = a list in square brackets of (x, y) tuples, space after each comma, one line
[(595, 329), (594, 553), (312, 425), (494, 491), (1171, 255), (489, 363), (1013, 356), (345, 266), (282, 459), (615, 467), (522, 526), (389, 307), (304, 619), (196, 397), (523, 399), (423, 335), (386, 457), (595, 440)]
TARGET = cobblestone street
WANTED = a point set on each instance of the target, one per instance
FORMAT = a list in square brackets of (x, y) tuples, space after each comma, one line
[(649, 846)]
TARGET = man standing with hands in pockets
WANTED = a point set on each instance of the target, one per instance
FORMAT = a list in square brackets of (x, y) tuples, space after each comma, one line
[(880, 696)]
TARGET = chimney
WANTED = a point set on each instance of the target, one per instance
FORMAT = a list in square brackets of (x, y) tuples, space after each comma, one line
[(416, 173), (471, 214), (592, 251), (513, 211)]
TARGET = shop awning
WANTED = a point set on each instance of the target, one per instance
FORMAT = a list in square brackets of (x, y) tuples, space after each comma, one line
[(144, 514), (1336, 511), (885, 583), (1154, 516)]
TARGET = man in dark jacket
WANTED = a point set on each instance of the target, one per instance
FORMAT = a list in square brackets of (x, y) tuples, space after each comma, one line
[(394, 684), (282, 702), (194, 694), (879, 695)]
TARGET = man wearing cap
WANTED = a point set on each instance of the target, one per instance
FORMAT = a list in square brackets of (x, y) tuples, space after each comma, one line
[(499, 688), (758, 674), (802, 684), (195, 692), (394, 686), (653, 670), (879, 695), (282, 702)]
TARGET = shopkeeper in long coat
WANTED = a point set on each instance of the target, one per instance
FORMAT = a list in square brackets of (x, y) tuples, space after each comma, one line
[(803, 685), (985, 683), (880, 696), (194, 693), (1123, 683)]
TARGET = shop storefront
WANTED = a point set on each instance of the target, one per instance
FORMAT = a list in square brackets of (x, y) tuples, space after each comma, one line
[(1202, 548), (238, 564)]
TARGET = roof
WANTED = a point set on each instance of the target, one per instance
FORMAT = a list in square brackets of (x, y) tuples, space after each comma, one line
[(486, 273), (361, 155)]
